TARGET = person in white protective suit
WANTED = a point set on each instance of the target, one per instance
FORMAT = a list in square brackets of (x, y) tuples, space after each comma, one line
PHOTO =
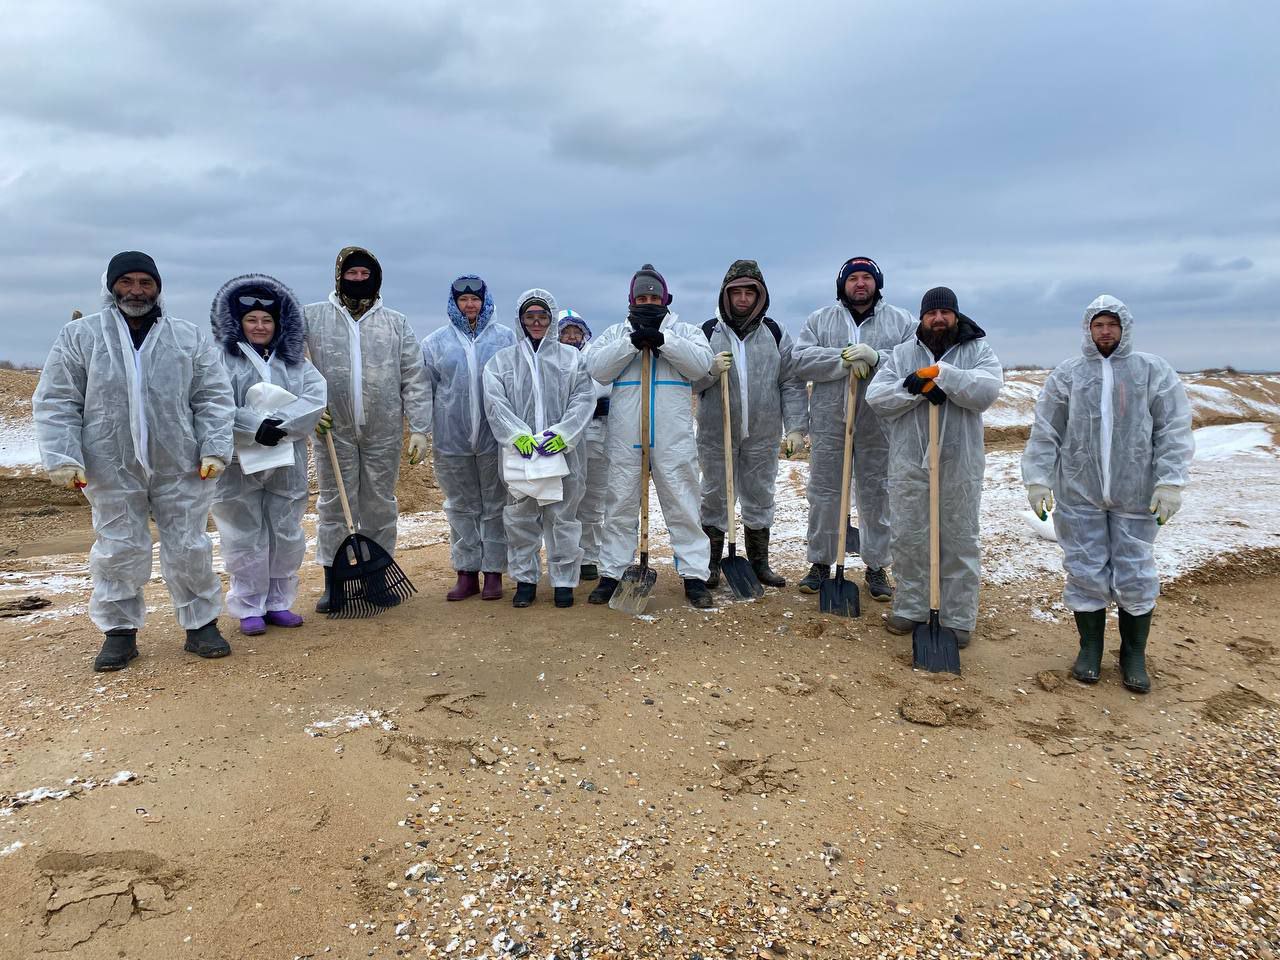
[(259, 508), (950, 364), (539, 399), (679, 354), (766, 400), (575, 332), (464, 454), (848, 339), (1112, 444), (372, 362), (134, 408)]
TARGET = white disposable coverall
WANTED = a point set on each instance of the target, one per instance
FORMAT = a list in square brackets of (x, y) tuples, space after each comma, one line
[(1107, 432)]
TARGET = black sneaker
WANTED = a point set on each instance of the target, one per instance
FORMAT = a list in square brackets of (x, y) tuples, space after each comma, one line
[(119, 647), (526, 593), (588, 571), (696, 592), (564, 596), (207, 642), (812, 581), (603, 592), (879, 585)]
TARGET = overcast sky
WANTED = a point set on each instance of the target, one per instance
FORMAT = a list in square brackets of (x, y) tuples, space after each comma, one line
[(1029, 155)]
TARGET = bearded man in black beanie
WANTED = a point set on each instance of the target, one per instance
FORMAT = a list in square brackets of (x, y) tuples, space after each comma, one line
[(947, 364), (135, 409)]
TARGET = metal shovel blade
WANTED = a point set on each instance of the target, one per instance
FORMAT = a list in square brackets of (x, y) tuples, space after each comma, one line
[(934, 647), (742, 580), (839, 597), (634, 588)]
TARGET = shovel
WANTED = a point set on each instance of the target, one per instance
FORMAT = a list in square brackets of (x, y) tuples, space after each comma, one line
[(365, 579), (638, 579), (736, 570), (933, 646), (838, 595)]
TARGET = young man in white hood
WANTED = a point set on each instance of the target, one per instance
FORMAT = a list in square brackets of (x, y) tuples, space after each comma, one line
[(1112, 444)]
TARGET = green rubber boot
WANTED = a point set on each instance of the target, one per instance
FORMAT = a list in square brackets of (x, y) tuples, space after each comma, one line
[(1133, 651), (1088, 665)]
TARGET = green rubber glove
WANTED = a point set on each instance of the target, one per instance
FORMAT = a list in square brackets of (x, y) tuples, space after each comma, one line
[(524, 445), (553, 444)]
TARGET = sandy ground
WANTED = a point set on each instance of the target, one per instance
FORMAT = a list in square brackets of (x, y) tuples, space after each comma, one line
[(467, 780)]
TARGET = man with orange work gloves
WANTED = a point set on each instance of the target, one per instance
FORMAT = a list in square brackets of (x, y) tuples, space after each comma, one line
[(948, 364), (135, 408)]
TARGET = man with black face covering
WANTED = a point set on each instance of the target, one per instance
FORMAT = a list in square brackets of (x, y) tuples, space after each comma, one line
[(949, 364), (373, 365), (678, 355)]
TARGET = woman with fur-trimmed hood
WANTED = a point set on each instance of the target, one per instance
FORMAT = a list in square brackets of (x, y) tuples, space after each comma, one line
[(258, 321)]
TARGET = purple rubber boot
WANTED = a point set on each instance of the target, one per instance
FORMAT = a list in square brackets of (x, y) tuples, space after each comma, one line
[(283, 618), (253, 626)]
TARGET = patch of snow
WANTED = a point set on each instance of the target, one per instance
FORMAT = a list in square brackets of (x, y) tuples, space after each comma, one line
[(347, 722), (1232, 439), (18, 443), (11, 848)]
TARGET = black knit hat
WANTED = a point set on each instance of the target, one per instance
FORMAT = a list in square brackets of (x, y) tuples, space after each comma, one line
[(856, 265), (131, 261), (939, 298)]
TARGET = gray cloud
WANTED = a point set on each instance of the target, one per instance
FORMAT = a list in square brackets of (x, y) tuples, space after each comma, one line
[(1029, 157)]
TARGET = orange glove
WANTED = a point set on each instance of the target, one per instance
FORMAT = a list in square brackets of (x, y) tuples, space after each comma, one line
[(927, 373)]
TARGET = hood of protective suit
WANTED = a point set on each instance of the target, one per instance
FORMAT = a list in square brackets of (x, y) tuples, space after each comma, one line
[(537, 293), (290, 328), (1108, 304), (744, 273), (357, 306), (568, 318), (456, 316)]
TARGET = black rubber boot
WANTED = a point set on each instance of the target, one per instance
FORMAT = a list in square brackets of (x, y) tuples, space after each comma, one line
[(603, 592), (758, 555), (696, 592), (207, 642), (878, 584), (326, 598), (716, 536), (588, 571), (1092, 626), (812, 581), (1133, 651), (526, 593), (119, 647), (563, 596)]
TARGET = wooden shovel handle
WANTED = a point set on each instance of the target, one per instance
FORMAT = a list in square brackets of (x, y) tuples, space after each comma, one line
[(646, 400), (728, 456), (935, 535), (337, 476), (850, 415)]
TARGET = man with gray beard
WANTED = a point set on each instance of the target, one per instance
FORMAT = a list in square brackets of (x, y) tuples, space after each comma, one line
[(135, 409)]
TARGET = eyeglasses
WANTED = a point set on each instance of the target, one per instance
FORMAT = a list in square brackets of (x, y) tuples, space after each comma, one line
[(473, 287), (248, 300)]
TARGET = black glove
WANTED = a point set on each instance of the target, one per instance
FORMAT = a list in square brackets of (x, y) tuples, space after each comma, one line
[(602, 407), (914, 384), (646, 337), (269, 433), (935, 395)]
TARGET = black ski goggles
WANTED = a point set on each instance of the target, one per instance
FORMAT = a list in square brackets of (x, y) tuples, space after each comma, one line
[(473, 287), (249, 300)]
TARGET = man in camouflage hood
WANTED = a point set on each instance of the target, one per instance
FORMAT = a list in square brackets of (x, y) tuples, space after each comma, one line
[(766, 398), (372, 362)]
